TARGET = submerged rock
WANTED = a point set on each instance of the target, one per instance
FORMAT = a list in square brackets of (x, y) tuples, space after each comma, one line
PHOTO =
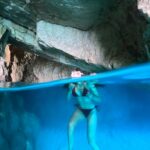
[(18, 128), (3, 143), (18, 141), (30, 125)]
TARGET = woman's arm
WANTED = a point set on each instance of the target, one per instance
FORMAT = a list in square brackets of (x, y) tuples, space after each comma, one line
[(70, 88), (74, 74), (94, 94), (92, 88)]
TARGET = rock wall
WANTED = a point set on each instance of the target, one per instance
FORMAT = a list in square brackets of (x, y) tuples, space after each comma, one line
[(116, 41), (3, 70), (119, 38), (22, 66), (144, 7), (44, 70), (122, 35), (18, 128), (16, 60)]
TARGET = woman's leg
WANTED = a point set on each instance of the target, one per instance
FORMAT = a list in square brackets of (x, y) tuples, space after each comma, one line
[(92, 124), (77, 116)]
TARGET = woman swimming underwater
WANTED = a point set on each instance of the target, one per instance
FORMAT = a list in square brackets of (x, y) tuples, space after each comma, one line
[(87, 97)]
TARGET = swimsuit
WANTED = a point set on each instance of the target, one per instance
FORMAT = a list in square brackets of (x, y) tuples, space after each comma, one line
[(85, 112), (84, 93)]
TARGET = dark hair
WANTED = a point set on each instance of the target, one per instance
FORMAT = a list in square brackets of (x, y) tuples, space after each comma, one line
[(85, 73), (77, 69)]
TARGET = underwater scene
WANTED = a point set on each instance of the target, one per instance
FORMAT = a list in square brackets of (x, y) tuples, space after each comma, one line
[(36, 116)]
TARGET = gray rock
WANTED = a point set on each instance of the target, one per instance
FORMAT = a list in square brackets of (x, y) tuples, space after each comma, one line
[(3, 70), (3, 143), (29, 125), (82, 45), (80, 14), (113, 37), (18, 141)]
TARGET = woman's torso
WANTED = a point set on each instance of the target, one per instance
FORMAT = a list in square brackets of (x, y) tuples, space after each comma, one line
[(83, 97)]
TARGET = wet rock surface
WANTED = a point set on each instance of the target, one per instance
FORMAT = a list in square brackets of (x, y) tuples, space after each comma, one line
[(144, 7), (3, 70), (22, 66), (117, 36), (18, 128), (79, 14), (43, 70)]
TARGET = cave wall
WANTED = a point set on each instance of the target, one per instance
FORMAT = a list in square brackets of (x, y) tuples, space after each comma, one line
[(43, 70), (117, 39), (121, 35), (3, 70), (18, 127), (81, 14), (115, 42), (144, 7), (22, 66)]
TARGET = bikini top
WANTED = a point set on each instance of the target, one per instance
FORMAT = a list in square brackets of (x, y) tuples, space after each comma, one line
[(84, 93)]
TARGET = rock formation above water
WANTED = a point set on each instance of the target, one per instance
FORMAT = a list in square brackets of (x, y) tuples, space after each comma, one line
[(51, 38)]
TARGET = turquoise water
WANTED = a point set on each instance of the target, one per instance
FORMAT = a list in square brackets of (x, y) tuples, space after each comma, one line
[(35, 116)]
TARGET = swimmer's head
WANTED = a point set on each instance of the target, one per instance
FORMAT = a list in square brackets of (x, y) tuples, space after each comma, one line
[(76, 73)]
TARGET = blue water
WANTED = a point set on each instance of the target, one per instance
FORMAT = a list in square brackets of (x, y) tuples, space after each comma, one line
[(123, 116)]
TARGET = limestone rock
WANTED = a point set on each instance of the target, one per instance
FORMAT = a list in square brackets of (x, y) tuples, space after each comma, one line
[(115, 42), (3, 143), (80, 44), (114, 37), (79, 14), (43, 70), (3, 70), (144, 6), (18, 128)]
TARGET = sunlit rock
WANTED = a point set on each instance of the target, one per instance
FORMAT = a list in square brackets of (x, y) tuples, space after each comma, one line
[(43, 70), (144, 6), (80, 44), (3, 69), (111, 39)]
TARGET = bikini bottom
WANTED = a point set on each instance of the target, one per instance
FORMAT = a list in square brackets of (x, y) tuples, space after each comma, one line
[(86, 112)]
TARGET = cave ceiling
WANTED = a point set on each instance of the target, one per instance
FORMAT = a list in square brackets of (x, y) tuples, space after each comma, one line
[(21, 17), (82, 14), (89, 34)]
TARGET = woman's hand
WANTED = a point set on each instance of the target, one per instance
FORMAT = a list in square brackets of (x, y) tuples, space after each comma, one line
[(71, 86)]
